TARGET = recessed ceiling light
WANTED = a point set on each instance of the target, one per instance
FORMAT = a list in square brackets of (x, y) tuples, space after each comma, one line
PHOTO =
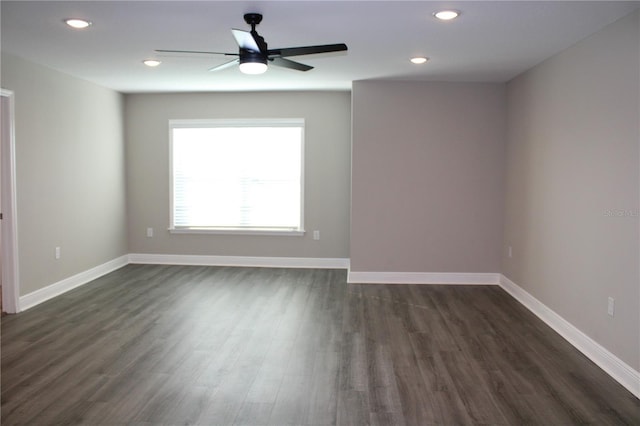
[(447, 15), (151, 62), (76, 23), (419, 60)]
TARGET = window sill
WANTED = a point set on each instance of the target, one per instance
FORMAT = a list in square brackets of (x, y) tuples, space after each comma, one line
[(238, 231)]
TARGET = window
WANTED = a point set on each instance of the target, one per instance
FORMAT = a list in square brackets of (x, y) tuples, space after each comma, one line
[(242, 176)]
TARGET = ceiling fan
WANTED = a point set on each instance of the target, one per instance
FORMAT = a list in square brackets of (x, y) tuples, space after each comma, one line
[(253, 55)]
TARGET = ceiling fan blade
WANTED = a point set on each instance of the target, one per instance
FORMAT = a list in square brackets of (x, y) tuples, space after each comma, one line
[(199, 52), (245, 40), (286, 63), (307, 50), (225, 65)]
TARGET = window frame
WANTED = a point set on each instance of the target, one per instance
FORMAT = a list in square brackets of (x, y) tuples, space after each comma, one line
[(237, 122)]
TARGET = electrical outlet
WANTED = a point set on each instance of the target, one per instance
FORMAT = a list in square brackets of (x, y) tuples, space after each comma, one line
[(316, 235), (611, 306), (510, 252), (149, 232), (58, 252)]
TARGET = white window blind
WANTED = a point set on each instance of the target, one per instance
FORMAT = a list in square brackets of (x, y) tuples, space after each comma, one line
[(237, 175)]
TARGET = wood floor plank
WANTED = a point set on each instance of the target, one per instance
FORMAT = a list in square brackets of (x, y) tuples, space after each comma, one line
[(322, 393), (197, 345), (290, 408)]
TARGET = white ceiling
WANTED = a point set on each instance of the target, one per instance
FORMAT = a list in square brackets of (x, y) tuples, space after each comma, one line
[(490, 41)]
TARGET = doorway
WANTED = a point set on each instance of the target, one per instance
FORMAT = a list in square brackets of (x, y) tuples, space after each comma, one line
[(8, 218)]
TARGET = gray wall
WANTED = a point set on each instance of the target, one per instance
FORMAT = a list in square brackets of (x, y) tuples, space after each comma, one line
[(572, 185), (70, 173), (327, 167), (427, 177)]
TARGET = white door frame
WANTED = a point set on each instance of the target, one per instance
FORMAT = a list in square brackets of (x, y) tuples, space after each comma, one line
[(9, 223)]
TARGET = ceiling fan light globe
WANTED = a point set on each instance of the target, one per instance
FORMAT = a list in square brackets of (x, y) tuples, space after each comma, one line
[(253, 67)]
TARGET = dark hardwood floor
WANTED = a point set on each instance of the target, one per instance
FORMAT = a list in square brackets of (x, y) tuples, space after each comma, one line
[(177, 345)]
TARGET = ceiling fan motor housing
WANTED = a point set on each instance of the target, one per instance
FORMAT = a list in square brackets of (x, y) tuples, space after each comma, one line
[(251, 56)]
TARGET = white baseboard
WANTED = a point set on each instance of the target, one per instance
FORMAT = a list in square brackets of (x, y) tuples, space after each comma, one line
[(356, 277), (612, 365), (247, 261), (42, 295)]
